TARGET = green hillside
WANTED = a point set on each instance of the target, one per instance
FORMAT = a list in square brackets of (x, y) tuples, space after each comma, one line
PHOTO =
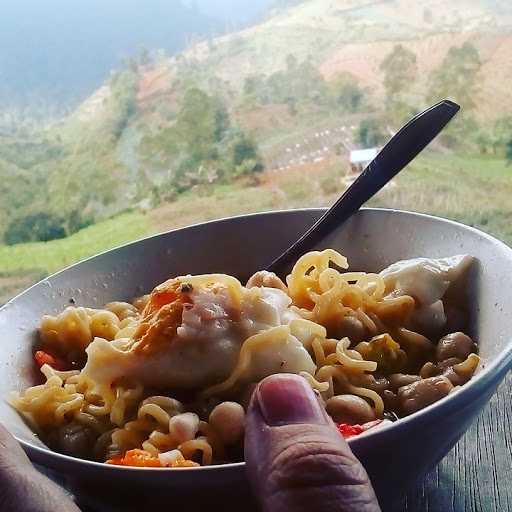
[(475, 191), (48, 257), (310, 67)]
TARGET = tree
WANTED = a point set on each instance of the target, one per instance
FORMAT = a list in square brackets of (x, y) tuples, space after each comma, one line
[(201, 123), (221, 120), (300, 82), (346, 92), (291, 103), (124, 100), (40, 226), (244, 148), (255, 90), (308, 83), (245, 157), (502, 133), (369, 133), (457, 77), (279, 87), (201, 147), (400, 71), (253, 84)]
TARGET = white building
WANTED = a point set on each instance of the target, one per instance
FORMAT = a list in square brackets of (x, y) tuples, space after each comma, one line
[(360, 158)]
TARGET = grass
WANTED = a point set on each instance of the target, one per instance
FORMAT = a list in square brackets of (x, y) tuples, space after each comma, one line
[(472, 190), (301, 186), (475, 191), (56, 254), (23, 264)]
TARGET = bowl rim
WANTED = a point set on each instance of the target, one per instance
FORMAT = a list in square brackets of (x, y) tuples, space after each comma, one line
[(490, 374)]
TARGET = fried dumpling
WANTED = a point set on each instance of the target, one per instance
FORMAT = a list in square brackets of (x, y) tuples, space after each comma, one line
[(424, 279), (192, 332)]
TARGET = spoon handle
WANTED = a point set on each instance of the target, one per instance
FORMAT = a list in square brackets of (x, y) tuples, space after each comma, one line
[(396, 154)]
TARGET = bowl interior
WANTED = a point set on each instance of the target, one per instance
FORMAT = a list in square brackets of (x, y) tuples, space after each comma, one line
[(371, 240)]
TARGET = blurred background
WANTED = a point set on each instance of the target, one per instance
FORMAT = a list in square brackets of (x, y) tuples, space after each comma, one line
[(121, 118)]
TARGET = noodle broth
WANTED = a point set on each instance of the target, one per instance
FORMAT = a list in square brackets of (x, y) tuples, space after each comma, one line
[(127, 383)]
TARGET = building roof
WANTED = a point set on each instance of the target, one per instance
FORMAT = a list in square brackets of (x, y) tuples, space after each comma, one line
[(363, 155)]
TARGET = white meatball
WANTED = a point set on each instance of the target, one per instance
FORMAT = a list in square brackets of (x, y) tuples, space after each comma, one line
[(183, 427)]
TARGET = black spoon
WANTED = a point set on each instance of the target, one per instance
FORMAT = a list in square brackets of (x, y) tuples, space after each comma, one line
[(396, 154)]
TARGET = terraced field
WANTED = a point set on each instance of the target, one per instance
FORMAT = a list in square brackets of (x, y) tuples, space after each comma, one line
[(472, 190)]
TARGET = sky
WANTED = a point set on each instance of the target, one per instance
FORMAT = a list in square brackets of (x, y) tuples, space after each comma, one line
[(56, 52), (236, 10)]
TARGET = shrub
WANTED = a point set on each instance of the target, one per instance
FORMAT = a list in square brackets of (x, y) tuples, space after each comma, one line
[(247, 167), (370, 133), (347, 93), (35, 227), (243, 149)]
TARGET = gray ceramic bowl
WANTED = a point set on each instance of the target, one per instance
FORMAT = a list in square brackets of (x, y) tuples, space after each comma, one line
[(394, 456)]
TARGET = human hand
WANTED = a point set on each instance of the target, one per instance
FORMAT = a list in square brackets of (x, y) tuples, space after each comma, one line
[(296, 458), (22, 487)]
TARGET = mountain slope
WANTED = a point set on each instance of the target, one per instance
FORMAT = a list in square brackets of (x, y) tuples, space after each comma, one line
[(355, 35), (338, 36)]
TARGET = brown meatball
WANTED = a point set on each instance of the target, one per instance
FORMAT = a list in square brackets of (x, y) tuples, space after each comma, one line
[(351, 409), (76, 440), (397, 380), (424, 392), (454, 377), (446, 368), (447, 363), (349, 327), (456, 344), (267, 279), (419, 349), (459, 372)]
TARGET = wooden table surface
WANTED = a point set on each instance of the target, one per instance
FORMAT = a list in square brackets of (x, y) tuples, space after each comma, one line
[(476, 476)]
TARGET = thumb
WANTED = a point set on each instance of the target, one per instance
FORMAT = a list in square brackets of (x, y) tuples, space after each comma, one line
[(296, 458)]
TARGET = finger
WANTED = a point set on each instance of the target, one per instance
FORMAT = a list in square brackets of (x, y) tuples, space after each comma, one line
[(24, 489), (12, 455), (296, 459)]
